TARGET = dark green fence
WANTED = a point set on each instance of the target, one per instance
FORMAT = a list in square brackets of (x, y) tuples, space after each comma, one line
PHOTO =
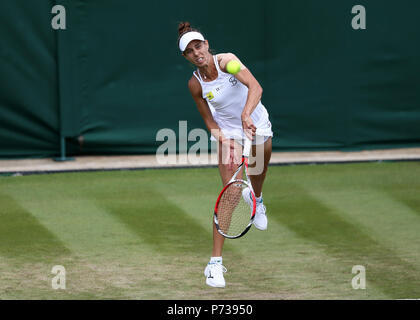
[(115, 77)]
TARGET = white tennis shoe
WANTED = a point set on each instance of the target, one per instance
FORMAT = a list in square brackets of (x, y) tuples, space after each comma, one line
[(260, 219), (214, 275)]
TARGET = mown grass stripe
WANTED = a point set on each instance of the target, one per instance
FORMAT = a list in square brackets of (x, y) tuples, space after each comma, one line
[(313, 220), (23, 237), (387, 220), (159, 222), (118, 255), (409, 196)]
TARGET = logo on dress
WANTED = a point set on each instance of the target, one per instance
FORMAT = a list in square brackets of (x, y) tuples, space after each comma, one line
[(233, 81), (209, 95)]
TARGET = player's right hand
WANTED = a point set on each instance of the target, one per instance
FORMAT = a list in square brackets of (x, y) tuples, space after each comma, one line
[(248, 127)]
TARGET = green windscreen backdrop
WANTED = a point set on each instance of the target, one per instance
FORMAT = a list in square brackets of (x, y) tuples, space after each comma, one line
[(29, 108), (115, 77)]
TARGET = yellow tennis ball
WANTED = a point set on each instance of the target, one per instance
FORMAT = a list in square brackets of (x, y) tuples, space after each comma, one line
[(233, 67)]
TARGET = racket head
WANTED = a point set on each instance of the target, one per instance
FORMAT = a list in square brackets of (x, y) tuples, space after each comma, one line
[(233, 215)]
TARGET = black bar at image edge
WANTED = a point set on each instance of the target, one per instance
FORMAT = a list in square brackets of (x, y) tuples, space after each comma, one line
[(210, 309)]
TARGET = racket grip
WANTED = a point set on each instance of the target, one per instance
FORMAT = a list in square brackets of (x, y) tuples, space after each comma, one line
[(247, 147)]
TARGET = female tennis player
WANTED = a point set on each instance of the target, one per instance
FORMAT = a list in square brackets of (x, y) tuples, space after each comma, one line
[(230, 106)]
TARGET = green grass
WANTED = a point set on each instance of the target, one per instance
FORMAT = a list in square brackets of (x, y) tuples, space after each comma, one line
[(147, 234)]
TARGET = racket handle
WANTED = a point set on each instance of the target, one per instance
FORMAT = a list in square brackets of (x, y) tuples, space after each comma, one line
[(247, 147)]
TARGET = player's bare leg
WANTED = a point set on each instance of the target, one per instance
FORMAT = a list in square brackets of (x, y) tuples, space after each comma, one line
[(228, 163), (259, 160), (260, 153)]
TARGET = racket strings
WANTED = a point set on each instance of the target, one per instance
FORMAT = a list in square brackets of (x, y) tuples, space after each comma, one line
[(233, 212)]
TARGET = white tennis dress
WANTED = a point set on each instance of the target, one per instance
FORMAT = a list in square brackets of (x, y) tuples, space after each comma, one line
[(226, 97)]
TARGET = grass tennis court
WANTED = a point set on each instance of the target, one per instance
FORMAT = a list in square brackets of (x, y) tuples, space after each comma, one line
[(147, 234)]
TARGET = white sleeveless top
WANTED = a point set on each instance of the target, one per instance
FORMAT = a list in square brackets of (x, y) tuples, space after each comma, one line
[(226, 97)]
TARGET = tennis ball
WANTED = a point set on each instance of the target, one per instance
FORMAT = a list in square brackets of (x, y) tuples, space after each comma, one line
[(233, 67)]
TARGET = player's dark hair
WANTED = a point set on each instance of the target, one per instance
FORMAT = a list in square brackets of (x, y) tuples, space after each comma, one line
[(184, 27)]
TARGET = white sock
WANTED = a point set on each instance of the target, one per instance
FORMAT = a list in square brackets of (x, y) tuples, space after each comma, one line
[(216, 260), (259, 199)]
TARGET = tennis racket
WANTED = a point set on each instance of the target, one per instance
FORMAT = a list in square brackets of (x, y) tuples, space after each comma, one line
[(235, 207)]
